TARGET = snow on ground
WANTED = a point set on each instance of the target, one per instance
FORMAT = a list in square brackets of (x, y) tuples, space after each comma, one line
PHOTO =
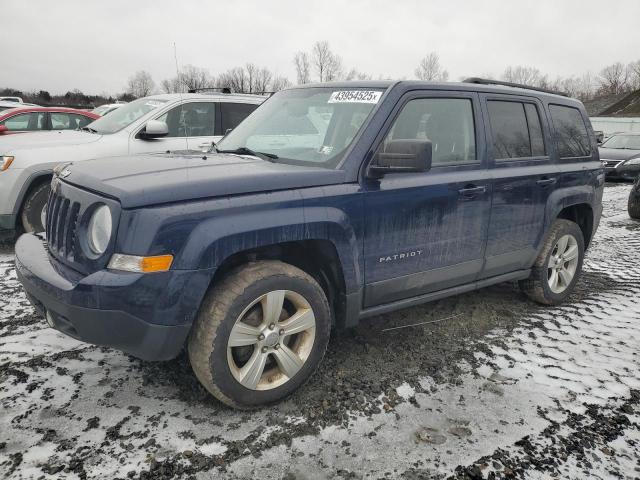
[(504, 389)]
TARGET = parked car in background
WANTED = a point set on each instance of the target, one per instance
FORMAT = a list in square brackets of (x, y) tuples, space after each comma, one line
[(621, 156), (4, 105), (158, 123), (102, 110), (391, 194), (11, 99), (633, 205), (38, 119)]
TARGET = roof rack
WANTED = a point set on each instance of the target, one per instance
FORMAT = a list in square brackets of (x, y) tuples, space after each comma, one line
[(485, 81), (210, 89)]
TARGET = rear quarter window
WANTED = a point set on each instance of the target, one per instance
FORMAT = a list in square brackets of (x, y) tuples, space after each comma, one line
[(572, 139)]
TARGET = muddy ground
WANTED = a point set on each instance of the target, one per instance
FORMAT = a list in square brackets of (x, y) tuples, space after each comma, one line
[(491, 385)]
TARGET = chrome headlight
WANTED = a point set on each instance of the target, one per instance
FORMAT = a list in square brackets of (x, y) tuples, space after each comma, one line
[(633, 161), (99, 232)]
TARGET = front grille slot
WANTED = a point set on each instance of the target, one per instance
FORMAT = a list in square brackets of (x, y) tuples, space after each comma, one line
[(62, 220)]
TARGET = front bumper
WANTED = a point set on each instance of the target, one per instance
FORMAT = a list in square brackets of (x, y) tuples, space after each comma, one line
[(623, 172), (148, 316)]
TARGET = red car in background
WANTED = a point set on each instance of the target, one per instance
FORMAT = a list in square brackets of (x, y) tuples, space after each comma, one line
[(38, 119)]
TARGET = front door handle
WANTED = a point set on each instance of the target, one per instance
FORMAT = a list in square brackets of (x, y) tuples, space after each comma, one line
[(544, 182), (471, 191)]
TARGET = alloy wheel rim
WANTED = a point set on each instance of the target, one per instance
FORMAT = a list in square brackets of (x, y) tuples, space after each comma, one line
[(271, 340), (563, 264)]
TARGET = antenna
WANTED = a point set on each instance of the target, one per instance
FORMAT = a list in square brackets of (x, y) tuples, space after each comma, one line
[(175, 56)]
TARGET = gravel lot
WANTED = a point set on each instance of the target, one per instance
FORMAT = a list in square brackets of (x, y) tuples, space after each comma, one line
[(494, 387)]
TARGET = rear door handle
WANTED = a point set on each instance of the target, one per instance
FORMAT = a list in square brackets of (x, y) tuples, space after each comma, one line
[(543, 182), (472, 191)]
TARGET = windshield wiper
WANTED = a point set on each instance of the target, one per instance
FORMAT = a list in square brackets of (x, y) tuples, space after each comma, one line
[(88, 129), (269, 157)]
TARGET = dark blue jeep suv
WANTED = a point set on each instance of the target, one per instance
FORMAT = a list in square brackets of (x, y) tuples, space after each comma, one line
[(328, 204)]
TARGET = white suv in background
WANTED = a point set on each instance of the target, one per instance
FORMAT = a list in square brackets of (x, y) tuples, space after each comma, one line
[(158, 123)]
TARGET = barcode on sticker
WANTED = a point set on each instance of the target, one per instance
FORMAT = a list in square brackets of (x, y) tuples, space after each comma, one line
[(355, 96)]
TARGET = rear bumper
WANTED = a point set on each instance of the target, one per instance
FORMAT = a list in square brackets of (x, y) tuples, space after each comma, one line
[(98, 308)]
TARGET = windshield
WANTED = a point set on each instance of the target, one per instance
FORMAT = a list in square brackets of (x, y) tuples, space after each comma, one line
[(309, 126), (629, 142), (125, 115)]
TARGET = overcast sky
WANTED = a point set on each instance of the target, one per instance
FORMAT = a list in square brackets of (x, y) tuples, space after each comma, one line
[(96, 46)]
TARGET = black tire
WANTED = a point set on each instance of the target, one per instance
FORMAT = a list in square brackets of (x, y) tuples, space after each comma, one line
[(633, 205), (32, 208), (224, 304), (537, 285)]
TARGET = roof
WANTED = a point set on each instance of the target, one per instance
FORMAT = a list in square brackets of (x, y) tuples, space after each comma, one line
[(223, 97), (24, 109), (420, 84)]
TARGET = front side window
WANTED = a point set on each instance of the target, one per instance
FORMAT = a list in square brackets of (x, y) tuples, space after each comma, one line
[(25, 122), (623, 142), (305, 126), (195, 119), (125, 115), (446, 122), (572, 138)]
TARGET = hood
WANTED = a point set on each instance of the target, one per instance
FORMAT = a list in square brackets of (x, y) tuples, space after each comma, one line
[(163, 178), (9, 143), (618, 154)]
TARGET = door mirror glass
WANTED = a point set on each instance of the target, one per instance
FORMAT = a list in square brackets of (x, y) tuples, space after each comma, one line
[(154, 129), (403, 156)]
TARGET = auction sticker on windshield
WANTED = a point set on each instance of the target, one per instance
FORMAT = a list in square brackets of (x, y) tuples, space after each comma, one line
[(355, 96)]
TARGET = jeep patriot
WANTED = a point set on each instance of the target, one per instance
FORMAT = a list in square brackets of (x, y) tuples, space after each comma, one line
[(328, 204)]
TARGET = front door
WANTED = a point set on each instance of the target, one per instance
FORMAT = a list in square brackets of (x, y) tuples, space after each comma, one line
[(427, 231)]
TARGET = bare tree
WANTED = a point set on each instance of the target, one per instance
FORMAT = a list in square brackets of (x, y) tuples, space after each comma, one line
[(614, 79), (525, 76), (172, 85), (279, 83), (140, 84), (301, 61), (262, 80), (193, 78), (328, 65), (356, 75), (430, 69), (634, 74)]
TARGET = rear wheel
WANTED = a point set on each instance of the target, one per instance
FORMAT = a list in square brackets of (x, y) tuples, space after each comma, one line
[(633, 206), (34, 208), (260, 335), (558, 266)]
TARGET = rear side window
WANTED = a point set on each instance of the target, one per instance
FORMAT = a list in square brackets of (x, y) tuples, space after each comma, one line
[(516, 130), (25, 122), (572, 138), (446, 122), (234, 113)]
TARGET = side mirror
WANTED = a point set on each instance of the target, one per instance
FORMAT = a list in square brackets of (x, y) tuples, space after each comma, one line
[(3, 129), (402, 156), (154, 129)]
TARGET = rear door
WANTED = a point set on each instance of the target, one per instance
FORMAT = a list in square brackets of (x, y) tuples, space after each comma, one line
[(427, 231), (523, 177)]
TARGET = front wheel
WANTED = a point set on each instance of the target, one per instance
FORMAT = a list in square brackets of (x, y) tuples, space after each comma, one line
[(34, 209), (260, 334), (558, 266)]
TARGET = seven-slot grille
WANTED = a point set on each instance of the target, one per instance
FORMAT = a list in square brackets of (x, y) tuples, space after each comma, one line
[(62, 220)]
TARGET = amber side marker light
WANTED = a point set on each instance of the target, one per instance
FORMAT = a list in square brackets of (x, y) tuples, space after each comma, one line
[(6, 163), (133, 263)]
